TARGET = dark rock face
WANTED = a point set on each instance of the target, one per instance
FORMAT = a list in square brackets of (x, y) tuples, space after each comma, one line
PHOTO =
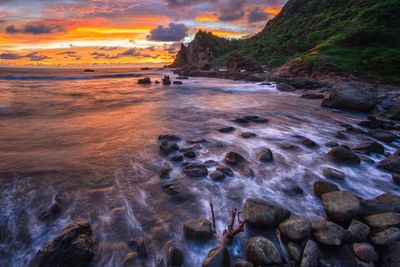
[(265, 155), (284, 87), (328, 233), (351, 97), (358, 231), (341, 206), (146, 80), (233, 158), (74, 246), (166, 80), (181, 58), (344, 155), (261, 252), (238, 62), (323, 187), (296, 228), (333, 174), (372, 123), (51, 212), (261, 213), (310, 256), (217, 257), (391, 164), (197, 229), (370, 147), (195, 170)]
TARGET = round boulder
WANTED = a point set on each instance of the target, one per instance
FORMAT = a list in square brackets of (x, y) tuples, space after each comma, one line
[(331, 173), (341, 206), (261, 213), (233, 158), (323, 187), (296, 228), (195, 170), (328, 233), (197, 229), (265, 155), (261, 251), (365, 252), (344, 155)]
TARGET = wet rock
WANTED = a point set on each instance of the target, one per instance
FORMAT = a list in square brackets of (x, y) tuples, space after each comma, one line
[(217, 176), (358, 231), (265, 155), (331, 173), (389, 198), (386, 237), (190, 154), (146, 80), (313, 96), (225, 170), (227, 129), (383, 220), (391, 255), (197, 229), (296, 228), (331, 144), (256, 119), (246, 171), (341, 206), (284, 87), (139, 245), (177, 82), (396, 179), (261, 213), (74, 246), (365, 252), (308, 143), (169, 138), (323, 187), (173, 255), (50, 212), (340, 135), (210, 163), (217, 257), (247, 135), (261, 252), (310, 256), (167, 147), (165, 170), (370, 147), (391, 164), (243, 263), (353, 129), (382, 135), (376, 206), (241, 120), (328, 233), (233, 158), (294, 251), (372, 123), (344, 155), (289, 146), (177, 158), (166, 80), (351, 97), (293, 189), (195, 170)]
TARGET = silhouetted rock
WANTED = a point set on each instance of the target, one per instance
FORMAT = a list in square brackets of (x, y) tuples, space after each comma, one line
[(146, 80)]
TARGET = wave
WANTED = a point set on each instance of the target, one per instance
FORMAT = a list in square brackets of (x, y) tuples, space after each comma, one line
[(66, 78)]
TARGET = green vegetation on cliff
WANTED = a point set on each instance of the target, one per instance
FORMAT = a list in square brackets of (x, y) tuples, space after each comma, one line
[(361, 37)]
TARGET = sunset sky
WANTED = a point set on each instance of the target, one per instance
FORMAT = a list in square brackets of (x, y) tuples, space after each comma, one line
[(102, 32)]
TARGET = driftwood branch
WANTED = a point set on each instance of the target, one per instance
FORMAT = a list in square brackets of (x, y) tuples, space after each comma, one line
[(230, 232)]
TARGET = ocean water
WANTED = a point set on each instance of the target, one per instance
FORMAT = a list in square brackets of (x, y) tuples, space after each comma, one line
[(90, 140)]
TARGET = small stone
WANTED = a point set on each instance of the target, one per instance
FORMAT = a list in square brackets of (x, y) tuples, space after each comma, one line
[(396, 179), (167, 147), (382, 135), (233, 158), (313, 96), (331, 173), (165, 170), (225, 170), (383, 220), (308, 143), (261, 251), (328, 233), (197, 229), (177, 158), (174, 255), (340, 135), (227, 129), (217, 175), (358, 231), (365, 252), (342, 154), (386, 237), (285, 87), (294, 251), (218, 256), (310, 255), (247, 135), (265, 155), (241, 120), (296, 228), (246, 171), (261, 213), (331, 144), (391, 164), (190, 154), (210, 163), (323, 187), (370, 147), (341, 206), (195, 170), (243, 263)]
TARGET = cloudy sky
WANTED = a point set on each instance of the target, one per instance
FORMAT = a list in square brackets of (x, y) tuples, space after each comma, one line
[(82, 32)]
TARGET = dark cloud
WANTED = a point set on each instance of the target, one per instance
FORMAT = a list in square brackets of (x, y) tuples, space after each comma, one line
[(257, 15), (172, 33), (9, 56), (177, 3), (35, 56), (128, 53), (109, 48), (173, 48), (232, 10), (35, 29), (68, 53)]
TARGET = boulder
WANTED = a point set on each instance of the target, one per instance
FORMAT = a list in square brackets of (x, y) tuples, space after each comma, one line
[(331, 144), (323, 187), (396, 179), (310, 256), (233, 158), (144, 81), (166, 80), (197, 229), (344, 155), (174, 255), (285, 87), (228, 129), (165, 170), (391, 164), (365, 252), (167, 147), (225, 170), (195, 170), (246, 171), (296, 228), (265, 155), (217, 257), (331, 173), (386, 237), (50, 212), (294, 251), (382, 135), (308, 142), (351, 97), (261, 252), (243, 263), (217, 175), (261, 213), (370, 147), (328, 233), (391, 255), (74, 246), (313, 96), (358, 231), (341, 206), (247, 135), (383, 220), (377, 206), (178, 82)]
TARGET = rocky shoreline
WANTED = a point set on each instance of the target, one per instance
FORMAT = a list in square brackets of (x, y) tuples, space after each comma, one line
[(359, 232)]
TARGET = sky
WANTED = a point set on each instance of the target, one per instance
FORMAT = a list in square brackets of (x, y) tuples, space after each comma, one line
[(119, 32)]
